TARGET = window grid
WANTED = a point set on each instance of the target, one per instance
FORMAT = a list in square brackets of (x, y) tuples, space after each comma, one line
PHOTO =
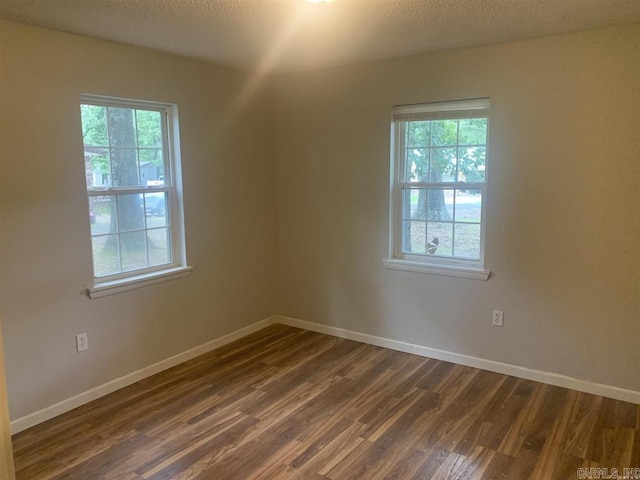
[(406, 146), (167, 190)]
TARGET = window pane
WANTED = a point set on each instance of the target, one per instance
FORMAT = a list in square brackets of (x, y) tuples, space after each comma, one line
[(418, 134), (467, 242), (106, 255), (444, 132), (413, 234), (103, 215), (442, 210), (159, 242), (122, 127), (443, 164), (94, 125), (468, 206), (149, 128), (124, 167), (417, 164), (473, 131), (151, 166), (155, 205), (97, 168), (125, 151), (440, 236), (414, 204), (471, 164), (133, 246), (130, 212), (440, 204)]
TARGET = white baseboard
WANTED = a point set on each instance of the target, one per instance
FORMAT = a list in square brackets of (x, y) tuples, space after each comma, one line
[(551, 378), (490, 365), (64, 406)]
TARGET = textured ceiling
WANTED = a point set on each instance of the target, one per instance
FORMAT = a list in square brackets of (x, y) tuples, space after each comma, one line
[(286, 35)]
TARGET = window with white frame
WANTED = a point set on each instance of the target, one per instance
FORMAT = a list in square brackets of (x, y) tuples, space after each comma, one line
[(439, 183), (132, 177)]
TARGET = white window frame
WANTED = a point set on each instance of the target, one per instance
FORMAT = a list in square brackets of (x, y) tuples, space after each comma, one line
[(172, 186), (425, 263)]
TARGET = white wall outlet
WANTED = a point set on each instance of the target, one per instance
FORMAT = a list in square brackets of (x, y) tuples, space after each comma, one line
[(498, 318), (82, 342)]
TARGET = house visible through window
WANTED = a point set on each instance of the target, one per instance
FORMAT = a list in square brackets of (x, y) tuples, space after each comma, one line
[(439, 183), (130, 166)]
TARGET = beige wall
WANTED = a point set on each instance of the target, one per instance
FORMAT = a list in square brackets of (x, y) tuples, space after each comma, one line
[(286, 208), (563, 228), (46, 252)]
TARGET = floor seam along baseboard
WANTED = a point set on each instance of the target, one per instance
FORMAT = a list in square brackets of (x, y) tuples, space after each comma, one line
[(550, 378), (541, 376)]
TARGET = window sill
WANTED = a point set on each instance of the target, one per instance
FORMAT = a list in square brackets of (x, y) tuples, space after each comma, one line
[(432, 269), (118, 286)]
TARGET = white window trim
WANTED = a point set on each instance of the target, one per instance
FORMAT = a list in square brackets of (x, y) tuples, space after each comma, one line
[(435, 265), (444, 270), (104, 289), (178, 268)]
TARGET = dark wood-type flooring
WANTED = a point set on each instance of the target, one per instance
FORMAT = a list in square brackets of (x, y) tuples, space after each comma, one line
[(285, 403)]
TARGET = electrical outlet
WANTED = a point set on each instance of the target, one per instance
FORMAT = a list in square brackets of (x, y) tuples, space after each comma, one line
[(498, 318), (82, 342)]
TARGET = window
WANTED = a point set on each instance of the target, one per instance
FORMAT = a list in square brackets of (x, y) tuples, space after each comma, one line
[(438, 189), (132, 177)]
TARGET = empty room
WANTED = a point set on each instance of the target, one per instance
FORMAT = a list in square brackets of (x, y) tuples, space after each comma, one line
[(319, 239)]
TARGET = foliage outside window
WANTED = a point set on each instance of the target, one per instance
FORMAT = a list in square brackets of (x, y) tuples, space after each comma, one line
[(133, 205), (439, 182)]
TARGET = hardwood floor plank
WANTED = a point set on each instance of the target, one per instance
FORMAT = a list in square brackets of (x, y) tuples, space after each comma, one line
[(582, 424), (109, 459), (196, 453), (498, 467), (540, 426), (512, 441), (635, 454), (432, 462), (284, 403), (331, 454), (552, 448), (523, 464)]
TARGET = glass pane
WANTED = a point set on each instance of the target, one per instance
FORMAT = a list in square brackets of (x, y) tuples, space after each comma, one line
[(122, 127), (444, 132), (151, 166), (94, 125), (413, 237), (96, 164), (418, 134), (467, 242), (159, 242), (440, 204), (130, 212), (414, 205), (103, 215), (440, 236), (155, 206), (124, 167), (443, 164), (149, 128), (417, 164), (471, 164), (468, 206), (106, 255), (473, 131), (133, 246)]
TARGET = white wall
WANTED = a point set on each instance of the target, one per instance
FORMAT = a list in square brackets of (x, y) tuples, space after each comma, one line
[(563, 228), (45, 249)]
